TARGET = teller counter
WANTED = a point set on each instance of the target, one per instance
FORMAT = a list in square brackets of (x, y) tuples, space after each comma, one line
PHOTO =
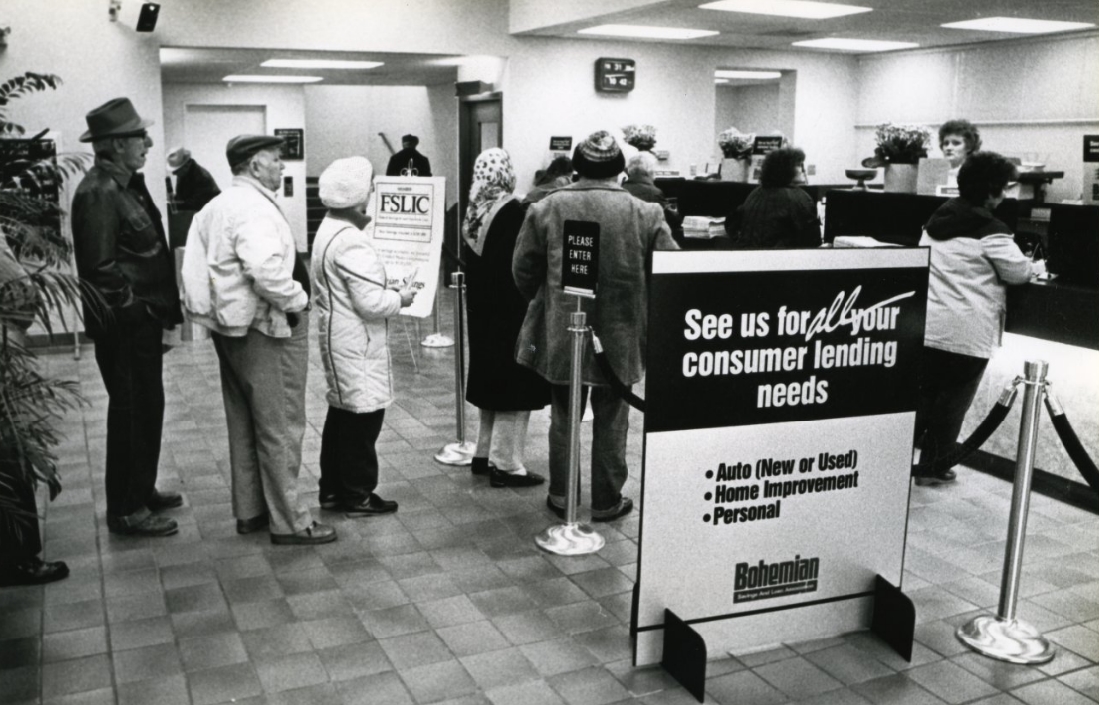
[(1046, 320)]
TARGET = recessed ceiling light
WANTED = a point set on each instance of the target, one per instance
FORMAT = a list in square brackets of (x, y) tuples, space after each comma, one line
[(320, 64), (758, 75), (271, 79), (1018, 25), (721, 80), (855, 44), (644, 32), (787, 8)]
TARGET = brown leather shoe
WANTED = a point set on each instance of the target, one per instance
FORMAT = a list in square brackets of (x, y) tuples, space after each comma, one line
[(371, 506), (624, 507), (149, 525), (309, 536), (247, 526), (33, 572), (164, 500)]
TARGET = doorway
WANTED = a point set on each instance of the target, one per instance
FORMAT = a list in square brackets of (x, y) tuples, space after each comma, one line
[(480, 127), (208, 128)]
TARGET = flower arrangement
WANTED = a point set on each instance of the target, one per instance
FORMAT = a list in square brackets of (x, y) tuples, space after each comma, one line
[(899, 144), (736, 144), (642, 137)]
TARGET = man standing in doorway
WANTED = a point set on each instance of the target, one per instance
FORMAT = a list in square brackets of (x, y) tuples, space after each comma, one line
[(194, 185), (408, 162), (628, 230), (242, 279), (122, 252)]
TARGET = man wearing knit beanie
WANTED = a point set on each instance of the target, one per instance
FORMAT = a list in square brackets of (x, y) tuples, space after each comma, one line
[(628, 230)]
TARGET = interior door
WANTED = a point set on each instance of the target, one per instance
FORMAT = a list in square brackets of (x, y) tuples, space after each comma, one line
[(208, 128), (480, 127)]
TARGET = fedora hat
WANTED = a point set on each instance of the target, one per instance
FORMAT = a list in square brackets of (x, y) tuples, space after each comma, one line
[(115, 118)]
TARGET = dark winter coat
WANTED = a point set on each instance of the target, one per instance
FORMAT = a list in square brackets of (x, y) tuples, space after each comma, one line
[(496, 311)]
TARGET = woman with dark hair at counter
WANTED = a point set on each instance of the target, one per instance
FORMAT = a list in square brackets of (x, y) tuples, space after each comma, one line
[(957, 140), (974, 259), (503, 390), (557, 175), (779, 214)]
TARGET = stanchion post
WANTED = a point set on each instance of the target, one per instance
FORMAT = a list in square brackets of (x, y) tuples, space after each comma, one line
[(1004, 637), (573, 538), (461, 451)]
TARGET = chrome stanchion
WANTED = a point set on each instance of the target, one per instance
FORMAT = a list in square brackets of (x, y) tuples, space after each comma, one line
[(1003, 636), (573, 538), (461, 451), (436, 339)]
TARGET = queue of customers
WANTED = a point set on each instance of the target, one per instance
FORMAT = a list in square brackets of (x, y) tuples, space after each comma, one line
[(243, 280)]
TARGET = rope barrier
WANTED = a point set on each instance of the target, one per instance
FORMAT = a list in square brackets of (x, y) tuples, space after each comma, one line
[(976, 439), (608, 372), (1075, 449)]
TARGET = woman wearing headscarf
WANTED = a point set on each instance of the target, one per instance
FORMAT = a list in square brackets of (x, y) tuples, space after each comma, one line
[(504, 391), (351, 295)]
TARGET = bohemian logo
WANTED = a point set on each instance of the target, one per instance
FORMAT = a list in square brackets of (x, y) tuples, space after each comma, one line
[(765, 581)]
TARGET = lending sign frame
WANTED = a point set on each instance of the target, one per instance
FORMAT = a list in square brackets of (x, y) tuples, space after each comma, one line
[(780, 410)]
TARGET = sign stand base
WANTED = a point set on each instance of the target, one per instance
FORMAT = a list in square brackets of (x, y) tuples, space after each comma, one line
[(437, 340), (684, 655), (894, 618), (457, 453)]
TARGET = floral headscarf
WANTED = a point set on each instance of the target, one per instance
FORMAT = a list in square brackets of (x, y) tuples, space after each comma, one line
[(493, 182)]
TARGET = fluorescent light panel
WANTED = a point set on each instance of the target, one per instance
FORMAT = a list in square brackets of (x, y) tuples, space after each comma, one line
[(320, 64), (645, 32), (855, 44), (271, 79), (1017, 25), (758, 75), (721, 80), (787, 8)]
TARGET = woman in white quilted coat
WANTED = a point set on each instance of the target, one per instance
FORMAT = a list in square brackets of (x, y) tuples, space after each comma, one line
[(351, 296)]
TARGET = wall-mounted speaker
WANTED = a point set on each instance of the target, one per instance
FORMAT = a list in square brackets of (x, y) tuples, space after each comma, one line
[(146, 21)]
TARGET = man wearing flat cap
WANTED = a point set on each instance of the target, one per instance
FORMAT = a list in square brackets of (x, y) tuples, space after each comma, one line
[(122, 252), (628, 230), (194, 185), (408, 162), (242, 279)]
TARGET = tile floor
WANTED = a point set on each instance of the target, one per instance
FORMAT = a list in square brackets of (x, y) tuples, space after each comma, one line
[(450, 601)]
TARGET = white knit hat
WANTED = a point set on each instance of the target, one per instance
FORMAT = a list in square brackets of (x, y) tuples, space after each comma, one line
[(346, 182)]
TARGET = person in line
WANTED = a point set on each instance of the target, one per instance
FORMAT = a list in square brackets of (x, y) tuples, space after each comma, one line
[(504, 391), (243, 280), (974, 259), (629, 230), (779, 214), (353, 303), (639, 178), (957, 140), (194, 186), (122, 253), (408, 162), (557, 175)]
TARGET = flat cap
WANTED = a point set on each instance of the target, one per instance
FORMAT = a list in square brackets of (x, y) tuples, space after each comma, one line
[(243, 147)]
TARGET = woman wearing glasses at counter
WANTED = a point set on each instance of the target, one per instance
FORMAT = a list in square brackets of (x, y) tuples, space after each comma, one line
[(974, 259)]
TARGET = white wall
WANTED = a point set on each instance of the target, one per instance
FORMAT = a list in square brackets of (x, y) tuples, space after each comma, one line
[(675, 93), (1032, 98), (346, 120), (285, 106)]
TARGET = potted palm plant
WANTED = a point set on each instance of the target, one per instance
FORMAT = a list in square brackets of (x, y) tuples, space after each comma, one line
[(35, 282)]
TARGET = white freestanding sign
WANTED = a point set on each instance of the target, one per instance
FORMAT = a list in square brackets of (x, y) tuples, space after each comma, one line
[(780, 408), (407, 233)]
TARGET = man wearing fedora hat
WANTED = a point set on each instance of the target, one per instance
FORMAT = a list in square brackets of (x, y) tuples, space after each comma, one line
[(408, 161), (122, 252), (194, 185), (242, 279)]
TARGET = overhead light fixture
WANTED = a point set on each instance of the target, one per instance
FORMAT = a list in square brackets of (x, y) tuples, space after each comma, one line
[(271, 79), (855, 44), (787, 8), (721, 80), (753, 75), (320, 64), (645, 32), (1017, 25)]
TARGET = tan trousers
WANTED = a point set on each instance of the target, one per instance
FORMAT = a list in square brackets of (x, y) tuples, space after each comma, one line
[(263, 387), (502, 436)]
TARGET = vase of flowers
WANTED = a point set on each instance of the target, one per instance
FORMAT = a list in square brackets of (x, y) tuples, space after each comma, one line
[(736, 147), (899, 149), (642, 137)]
